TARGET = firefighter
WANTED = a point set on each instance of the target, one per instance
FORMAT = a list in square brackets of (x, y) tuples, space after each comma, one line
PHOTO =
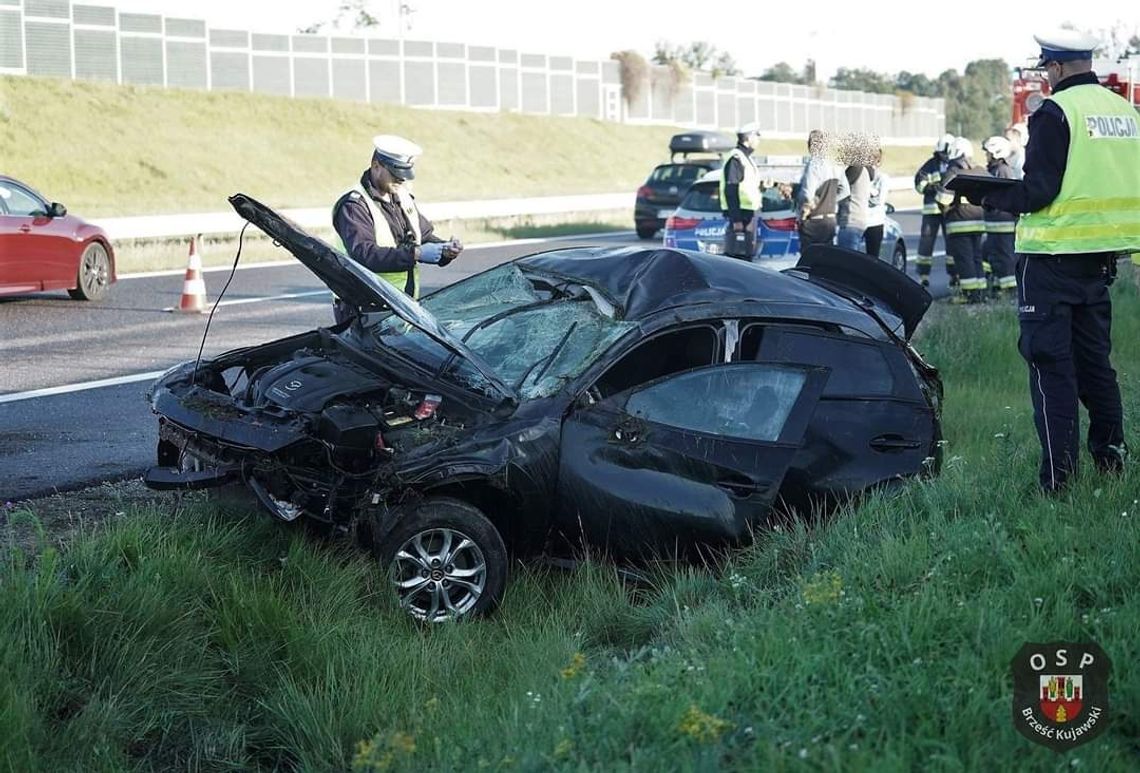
[(1079, 212), (997, 249), (740, 194), (964, 224), (379, 225), (926, 182)]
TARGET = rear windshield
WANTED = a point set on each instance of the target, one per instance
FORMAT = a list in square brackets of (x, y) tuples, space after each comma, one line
[(676, 173), (705, 197)]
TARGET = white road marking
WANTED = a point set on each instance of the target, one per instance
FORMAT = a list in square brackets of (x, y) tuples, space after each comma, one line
[(241, 301), (83, 385)]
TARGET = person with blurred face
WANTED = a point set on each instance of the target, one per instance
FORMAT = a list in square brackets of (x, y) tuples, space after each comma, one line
[(822, 186)]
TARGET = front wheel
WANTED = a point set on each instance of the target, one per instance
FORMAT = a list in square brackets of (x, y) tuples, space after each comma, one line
[(898, 257), (445, 561), (94, 275)]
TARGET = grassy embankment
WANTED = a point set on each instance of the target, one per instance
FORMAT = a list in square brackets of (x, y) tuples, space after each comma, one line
[(107, 150), (879, 640)]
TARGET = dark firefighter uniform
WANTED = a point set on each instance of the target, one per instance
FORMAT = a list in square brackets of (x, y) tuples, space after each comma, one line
[(997, 250), (926, 182), (965, 225), (1080, 208)]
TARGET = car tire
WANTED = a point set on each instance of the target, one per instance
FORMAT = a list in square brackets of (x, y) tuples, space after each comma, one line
[(646, 231), (898, 257), (445, 561), (94, 274)]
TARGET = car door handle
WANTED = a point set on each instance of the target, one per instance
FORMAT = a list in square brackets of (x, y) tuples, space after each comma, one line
[(740, 487), (25, 228), (893, 443)]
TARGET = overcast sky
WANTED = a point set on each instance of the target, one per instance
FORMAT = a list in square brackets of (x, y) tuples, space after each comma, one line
[(889, 35)]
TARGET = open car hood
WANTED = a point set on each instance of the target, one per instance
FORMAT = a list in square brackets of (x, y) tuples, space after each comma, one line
[(863, 277), (356, 285)]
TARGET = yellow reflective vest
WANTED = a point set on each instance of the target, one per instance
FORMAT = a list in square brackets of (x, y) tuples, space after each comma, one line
[(384, 234), (1098, 206), (749, 186)]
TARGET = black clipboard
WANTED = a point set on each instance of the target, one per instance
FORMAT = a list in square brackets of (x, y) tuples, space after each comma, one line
[(974, 184)]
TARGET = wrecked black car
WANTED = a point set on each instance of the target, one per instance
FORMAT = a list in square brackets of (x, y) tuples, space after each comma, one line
[(640, 400)]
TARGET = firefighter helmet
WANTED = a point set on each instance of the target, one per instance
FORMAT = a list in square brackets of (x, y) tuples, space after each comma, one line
[(961, 148), (944, 143), (998, 147)]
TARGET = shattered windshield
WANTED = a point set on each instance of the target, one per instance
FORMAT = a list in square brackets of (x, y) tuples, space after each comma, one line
[(535, 333)]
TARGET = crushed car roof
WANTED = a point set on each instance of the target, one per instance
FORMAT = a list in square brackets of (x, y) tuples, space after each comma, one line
[(643, 282)]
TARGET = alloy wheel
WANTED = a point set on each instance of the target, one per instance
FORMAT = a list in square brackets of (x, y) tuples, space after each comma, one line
[(439, 574)]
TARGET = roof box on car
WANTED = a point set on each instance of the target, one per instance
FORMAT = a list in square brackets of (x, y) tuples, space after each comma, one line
[(701, 142)]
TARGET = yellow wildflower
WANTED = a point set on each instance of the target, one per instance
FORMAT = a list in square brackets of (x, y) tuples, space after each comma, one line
[(701, 726), (823, 588), (563, 749), (577, 663)]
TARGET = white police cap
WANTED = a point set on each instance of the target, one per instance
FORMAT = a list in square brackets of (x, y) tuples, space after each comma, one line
[(749, 129), (397, 154), (1065, 46)]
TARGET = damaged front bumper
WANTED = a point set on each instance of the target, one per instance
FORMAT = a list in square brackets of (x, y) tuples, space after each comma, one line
[(175, 479)]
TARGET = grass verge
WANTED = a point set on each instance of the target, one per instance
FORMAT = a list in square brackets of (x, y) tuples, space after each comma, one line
[(105, 150), (877, 640)]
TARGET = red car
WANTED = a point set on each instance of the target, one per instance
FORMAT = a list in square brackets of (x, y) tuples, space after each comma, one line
[(44, 248)]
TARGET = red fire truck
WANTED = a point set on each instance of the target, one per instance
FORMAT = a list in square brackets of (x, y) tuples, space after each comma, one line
[(1030, 86)]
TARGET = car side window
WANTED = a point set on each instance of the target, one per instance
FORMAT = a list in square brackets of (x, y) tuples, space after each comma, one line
[(858, 367), (671, 352), (19, 202), (751, 401)]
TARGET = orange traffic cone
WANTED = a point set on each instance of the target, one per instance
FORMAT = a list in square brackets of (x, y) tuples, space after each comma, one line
[(193, 287)]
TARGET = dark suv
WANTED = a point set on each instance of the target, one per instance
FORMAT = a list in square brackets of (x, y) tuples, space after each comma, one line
[(693, 154)]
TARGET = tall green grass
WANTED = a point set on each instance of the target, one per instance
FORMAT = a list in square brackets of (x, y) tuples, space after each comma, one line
[(125, 150), (878, 639)]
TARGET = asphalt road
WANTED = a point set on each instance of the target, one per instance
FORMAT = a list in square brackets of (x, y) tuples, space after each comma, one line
[(77, 437)]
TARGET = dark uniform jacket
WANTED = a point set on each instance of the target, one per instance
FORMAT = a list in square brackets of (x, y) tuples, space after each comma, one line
[(922, 184), (353, 222), (1046, 155), (960, 209)]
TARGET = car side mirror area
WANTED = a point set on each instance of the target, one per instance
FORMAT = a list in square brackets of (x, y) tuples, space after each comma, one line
[(56, 210), (890, 208)]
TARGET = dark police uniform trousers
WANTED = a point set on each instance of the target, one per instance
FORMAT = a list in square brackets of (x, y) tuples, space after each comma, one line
[(1066, 321)]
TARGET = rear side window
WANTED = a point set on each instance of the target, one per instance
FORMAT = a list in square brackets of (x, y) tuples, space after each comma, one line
[(676, 174), (704, 197), (858, 368), (750, 401)]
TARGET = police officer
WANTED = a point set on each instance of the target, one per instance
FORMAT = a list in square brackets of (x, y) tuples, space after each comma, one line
[(965, 224), (1078, 207), (740, 193), (926, 182), (997, 249), (380, 226)]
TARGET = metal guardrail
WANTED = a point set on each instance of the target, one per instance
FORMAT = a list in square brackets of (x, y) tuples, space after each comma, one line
[(213, 223), (169, 226)]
